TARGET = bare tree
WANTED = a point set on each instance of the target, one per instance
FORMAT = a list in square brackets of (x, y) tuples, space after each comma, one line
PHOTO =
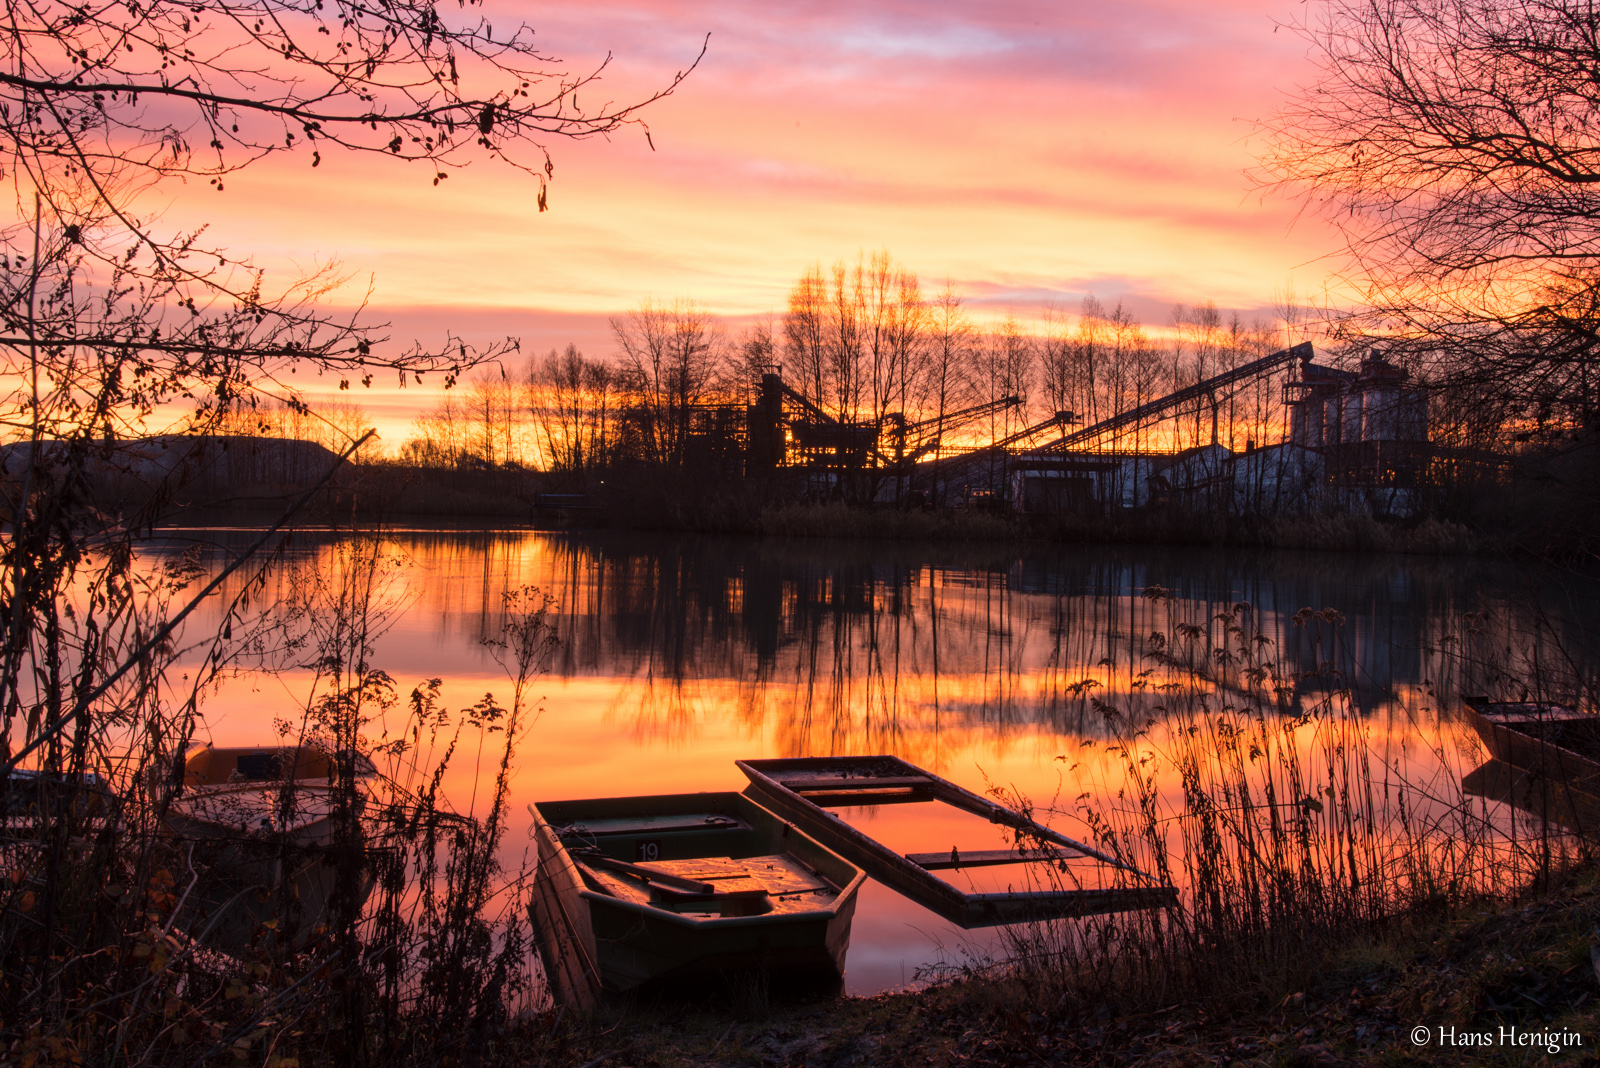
[(570, 398), (805, 335), (853, 336), (1457, 145), (755, 354), (439, 436), (1056, 365), (951, 341), (672, 357), (493, 413), (846, 297)]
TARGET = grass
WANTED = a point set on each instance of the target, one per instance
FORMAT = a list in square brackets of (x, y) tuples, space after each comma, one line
[(1330, 904), (1523, 963)]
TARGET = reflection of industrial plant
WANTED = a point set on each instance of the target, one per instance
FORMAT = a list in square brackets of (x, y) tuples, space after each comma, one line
[(1356, 440), (848, 646), (838, 644)]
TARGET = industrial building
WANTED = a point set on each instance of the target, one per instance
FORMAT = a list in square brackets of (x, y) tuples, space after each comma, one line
[(1352, 440)]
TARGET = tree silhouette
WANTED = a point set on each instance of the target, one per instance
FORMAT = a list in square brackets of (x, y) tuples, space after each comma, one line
[(1456, 143)]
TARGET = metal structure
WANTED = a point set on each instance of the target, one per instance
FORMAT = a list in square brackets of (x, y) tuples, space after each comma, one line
[(788, 431), (1357, 439), (1209, 388)]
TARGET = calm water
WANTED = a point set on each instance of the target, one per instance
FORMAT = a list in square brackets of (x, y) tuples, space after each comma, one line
[(680, 654)]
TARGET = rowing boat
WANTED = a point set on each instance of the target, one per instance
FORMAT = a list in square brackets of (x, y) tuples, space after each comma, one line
[(647, 893), (289, 792), (1539, 736), (1550, 754), (803, 789), (263, 822)]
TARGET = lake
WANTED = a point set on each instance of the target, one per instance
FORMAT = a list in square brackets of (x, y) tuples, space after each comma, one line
[(991, 666)]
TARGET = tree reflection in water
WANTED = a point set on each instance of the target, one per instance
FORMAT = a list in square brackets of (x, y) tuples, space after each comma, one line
[(680, 653)]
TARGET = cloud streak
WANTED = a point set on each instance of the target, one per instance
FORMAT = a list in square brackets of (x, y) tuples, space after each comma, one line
[(1023, 150)]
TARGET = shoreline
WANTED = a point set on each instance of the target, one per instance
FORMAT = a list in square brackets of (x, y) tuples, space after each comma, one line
[(1522, 966), (834, 521)]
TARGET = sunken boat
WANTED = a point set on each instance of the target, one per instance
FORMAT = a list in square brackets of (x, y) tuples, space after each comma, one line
[(806, 789)]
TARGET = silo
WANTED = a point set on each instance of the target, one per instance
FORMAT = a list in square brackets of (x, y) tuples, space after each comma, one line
[(1332, 418), (1305, 421), (1312, 417), (1351, 428), (1413, 415), (1380, 412)]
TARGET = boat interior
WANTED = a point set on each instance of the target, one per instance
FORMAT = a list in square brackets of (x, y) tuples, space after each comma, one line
[(704, 856)]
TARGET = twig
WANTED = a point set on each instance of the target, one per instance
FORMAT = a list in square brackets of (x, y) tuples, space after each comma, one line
[(166, 630)]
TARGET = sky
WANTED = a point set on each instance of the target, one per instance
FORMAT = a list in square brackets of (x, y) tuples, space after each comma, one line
[(1024, 152)]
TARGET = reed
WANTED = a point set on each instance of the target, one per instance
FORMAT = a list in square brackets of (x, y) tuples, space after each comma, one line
[(122, 943), (1277, 807)]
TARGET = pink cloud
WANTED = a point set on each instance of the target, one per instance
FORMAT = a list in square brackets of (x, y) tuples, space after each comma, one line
[(1025, 150)]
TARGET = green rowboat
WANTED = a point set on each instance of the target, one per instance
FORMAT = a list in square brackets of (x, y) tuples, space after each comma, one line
[(637, 893)]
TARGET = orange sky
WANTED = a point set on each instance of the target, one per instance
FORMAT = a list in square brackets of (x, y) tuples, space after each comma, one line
[(1027, 151)]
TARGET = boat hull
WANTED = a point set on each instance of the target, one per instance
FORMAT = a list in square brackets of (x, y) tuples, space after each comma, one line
[(593, 944), (1549, 799), (1549, 739)]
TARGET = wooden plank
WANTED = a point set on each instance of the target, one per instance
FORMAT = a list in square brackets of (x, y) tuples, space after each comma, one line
[(676, 882), (988, 910), (952, 794), (560, 919), (889, 868), (651, 825), (985, 858)]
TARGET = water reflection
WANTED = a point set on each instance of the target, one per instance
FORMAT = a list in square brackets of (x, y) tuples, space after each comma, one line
[(679, 654)]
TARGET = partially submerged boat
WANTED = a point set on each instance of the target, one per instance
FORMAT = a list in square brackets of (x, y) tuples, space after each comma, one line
[(639, 893), (803, 789)]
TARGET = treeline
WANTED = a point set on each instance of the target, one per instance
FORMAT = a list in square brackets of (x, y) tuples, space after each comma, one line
[(861, 341), (333, 424)]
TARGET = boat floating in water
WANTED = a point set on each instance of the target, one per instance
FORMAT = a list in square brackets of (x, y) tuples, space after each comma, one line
[(1542, 736), (1546, 759), (282, 791), (803, 789), (263, 821), (636, 893)]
